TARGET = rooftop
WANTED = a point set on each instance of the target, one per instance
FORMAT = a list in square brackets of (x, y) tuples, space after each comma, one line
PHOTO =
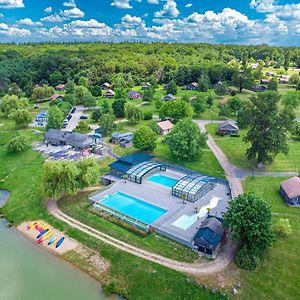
[(165, 125), (291, 187)]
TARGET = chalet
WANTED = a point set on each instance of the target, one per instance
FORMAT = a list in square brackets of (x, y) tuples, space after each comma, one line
[(57, 97), (105, 86), (169, 97), (265, 81), (228, 127), (207, 239), (284, 79), (290, 190), (270, 74), (41, 119), (123, 139), (254, 66), (192, 86), (165, 127), (134, 95), (60, 87), (78, 141), (146, 85), (259, 88), (109, 94)]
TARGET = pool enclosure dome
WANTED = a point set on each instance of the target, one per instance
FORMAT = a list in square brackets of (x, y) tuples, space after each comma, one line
[(193, 186)]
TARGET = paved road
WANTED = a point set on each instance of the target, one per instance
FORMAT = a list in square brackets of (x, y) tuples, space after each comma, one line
[(220, 263), (75, 118)]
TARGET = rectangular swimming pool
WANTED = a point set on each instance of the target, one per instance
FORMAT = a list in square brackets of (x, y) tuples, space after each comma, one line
[(133, 207), (163, 180)]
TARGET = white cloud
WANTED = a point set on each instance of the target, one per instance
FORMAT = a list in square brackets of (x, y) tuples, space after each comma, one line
[(132, 20), (56, 18), (189, 5), (153, 1), (11, 3), (124, 4), (1, 15), (13, 32), (169, 10), (48, 10), (29, 22), (73, 13), (70, 3)]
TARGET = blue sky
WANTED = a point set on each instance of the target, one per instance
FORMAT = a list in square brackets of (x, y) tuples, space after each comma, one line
[(276, 22)]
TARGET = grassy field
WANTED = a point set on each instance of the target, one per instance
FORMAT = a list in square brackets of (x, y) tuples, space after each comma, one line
[(78, 207), (277, 277), (235, 149)]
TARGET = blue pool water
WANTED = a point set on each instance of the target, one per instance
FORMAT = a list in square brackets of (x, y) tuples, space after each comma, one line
[(163, 180), (133, 207)]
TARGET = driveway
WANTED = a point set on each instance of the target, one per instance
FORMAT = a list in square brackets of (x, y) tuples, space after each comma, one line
[(75, 118)]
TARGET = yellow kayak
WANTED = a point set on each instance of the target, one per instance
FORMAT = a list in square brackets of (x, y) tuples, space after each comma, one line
[(44, 237)]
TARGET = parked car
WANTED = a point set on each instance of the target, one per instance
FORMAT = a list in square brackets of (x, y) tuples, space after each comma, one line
[(69, 117), (73, 110), (84, 117)]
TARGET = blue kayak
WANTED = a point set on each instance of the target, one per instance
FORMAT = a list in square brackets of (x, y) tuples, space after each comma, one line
[(42, 233), (59, 242), (52, 241)]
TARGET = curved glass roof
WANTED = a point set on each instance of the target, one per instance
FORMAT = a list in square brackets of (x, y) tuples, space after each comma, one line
[(143, 168), (191, 183)]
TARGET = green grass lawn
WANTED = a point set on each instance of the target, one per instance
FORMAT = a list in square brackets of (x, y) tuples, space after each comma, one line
[(277, 277), (235, 150), (79, 207)]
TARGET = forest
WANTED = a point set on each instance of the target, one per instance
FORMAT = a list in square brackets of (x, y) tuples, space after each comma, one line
[(31, 64)]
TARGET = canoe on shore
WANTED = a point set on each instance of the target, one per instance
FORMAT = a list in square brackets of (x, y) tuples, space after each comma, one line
[(44, 237), (52, 241), (59, 242), (42, 233)]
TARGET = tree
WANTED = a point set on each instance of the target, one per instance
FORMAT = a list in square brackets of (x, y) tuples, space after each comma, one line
[(295, 79), (144, 139), (65, 107), (107, 123), (88, 172), (286, 63), (175, 110), (106, 107), (133, 113), (56, 78), (118, 107), (267, 127), (18, 144), (88, 100), (210, 100), (220, 88), (96, 115), (83, 81), (59, 178), (70, 87), (249, 219), (120, 93), (13, 89), (22, 117), (273, 84), (172, 88), (10, 104), (198, 104), (82, 127), (55, 118), (185, 140), (283, 227), (96, 91), (42, 93), (70, 98), (235, 104), (203, 83), (148, 95), (244, 78), (291, 99)]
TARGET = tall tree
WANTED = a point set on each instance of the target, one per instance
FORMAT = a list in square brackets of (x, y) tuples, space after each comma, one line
[(203, 83), (144, 139), (243, 78), (172, 88), (175, 110), (55, 118), (133, 113), (107, 123), (22, 117), (185, 140), (267, 127), (118, 107)]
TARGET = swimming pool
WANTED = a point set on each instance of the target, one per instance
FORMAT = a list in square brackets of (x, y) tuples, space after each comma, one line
[(133, 207), (163, 180)]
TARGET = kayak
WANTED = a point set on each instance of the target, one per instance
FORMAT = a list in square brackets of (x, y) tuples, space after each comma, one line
[(52, 241), (59, 242), (33, 226), (42, 233), (44, 237)]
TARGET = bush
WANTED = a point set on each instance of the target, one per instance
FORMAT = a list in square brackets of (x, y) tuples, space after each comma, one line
[(148, 115), (283, 227), (18, 144), (245, 260)]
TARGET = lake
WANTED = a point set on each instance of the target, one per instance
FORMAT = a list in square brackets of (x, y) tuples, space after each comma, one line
[(28, 272)]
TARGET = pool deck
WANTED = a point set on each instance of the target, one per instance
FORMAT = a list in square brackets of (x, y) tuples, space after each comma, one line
[(161, 196)]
